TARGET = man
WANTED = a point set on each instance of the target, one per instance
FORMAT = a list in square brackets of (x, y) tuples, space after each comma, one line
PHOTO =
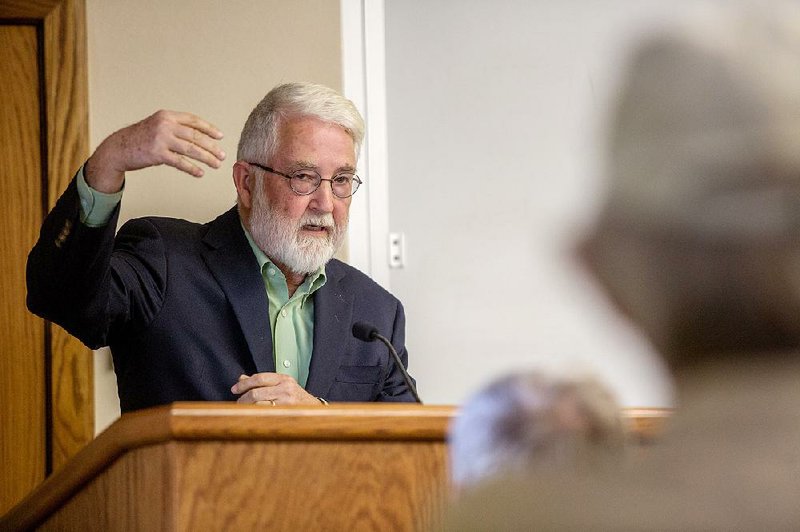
[(699, 245), (249, 305)]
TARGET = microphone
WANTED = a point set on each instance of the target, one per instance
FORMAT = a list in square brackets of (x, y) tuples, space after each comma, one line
[(367, 333)]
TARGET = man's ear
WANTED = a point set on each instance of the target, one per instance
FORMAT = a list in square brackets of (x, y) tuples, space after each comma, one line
[(244, 181)]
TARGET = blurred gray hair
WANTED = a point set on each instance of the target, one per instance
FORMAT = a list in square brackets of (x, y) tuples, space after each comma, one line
[(706, 141), (258, 141), (531, 422)]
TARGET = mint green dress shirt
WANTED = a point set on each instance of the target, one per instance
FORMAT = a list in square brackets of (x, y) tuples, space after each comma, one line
[(291, 318)]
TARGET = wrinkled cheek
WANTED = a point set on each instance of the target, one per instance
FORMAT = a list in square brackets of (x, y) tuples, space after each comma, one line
[(341, 218), (337, 235)]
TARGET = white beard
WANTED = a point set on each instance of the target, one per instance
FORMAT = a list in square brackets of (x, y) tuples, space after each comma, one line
[(280, 238)]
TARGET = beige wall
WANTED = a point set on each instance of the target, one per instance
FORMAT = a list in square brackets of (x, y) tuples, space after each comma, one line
[(216, 59)]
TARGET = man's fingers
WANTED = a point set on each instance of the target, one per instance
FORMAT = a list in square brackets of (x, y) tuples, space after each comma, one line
[(246, 399), (182, 163), (266, 388), (177, 139), (259, 380), (287, 392), (258, 396), (197, 123), (195, 152), (198, 145), (185, 145)]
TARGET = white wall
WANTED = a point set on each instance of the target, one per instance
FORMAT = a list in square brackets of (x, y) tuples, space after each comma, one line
[(215, 59), (494, 124)]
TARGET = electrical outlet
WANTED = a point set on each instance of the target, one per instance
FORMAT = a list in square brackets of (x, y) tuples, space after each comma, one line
[(397, 250)]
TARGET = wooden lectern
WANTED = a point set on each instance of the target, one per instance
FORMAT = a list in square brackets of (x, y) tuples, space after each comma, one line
[(215, 466)]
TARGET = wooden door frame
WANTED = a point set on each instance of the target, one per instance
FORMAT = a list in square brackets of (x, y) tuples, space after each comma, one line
[(61, 30)]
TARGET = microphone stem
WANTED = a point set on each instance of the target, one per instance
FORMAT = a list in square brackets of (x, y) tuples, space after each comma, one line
[(399, 364)]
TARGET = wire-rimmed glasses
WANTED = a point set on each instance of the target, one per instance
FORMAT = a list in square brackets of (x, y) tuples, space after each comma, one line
[(305, 181)]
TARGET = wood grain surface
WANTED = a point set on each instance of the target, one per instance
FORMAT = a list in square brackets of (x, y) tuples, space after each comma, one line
[(22, 444), (26, 9), (134, 493), (371, 452), (316, 485)]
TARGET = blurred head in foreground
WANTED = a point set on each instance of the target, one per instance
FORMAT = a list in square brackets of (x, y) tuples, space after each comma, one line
[(699, 241), (529, 422)]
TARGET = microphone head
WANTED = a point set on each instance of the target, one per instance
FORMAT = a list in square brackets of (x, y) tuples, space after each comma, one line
[(364, 331)]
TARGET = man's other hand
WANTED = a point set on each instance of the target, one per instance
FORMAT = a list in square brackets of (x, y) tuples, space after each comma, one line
[(271, 389)]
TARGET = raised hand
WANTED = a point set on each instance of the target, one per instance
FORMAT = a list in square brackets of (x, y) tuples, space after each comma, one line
[(165, 137)]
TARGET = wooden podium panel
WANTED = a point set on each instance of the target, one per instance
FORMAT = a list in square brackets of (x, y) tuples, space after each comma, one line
[(222, 466), (214, 466)]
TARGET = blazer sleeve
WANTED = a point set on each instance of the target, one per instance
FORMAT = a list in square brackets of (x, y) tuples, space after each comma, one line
[(80, 279)]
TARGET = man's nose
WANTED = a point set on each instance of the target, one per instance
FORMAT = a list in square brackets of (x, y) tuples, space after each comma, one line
[(322, 199)]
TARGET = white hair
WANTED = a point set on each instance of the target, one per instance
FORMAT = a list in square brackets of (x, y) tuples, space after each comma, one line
[(259, 138)]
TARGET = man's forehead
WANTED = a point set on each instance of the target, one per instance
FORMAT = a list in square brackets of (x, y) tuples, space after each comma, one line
[(307, 142)]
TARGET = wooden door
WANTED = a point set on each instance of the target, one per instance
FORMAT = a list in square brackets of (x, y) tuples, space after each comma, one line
[(22, 336), (46, 402)]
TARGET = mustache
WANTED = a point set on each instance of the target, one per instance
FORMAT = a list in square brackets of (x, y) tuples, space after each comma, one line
[(320, 220)]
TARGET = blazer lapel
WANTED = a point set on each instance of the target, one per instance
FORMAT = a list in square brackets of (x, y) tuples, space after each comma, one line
[(230, 259), (332, 323)]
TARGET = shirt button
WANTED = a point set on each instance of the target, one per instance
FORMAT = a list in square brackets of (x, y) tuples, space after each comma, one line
[(271, 271), (286, 363), (283, 313)]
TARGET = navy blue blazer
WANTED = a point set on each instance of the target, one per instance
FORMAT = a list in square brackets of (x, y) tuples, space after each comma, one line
[(183, 307)]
